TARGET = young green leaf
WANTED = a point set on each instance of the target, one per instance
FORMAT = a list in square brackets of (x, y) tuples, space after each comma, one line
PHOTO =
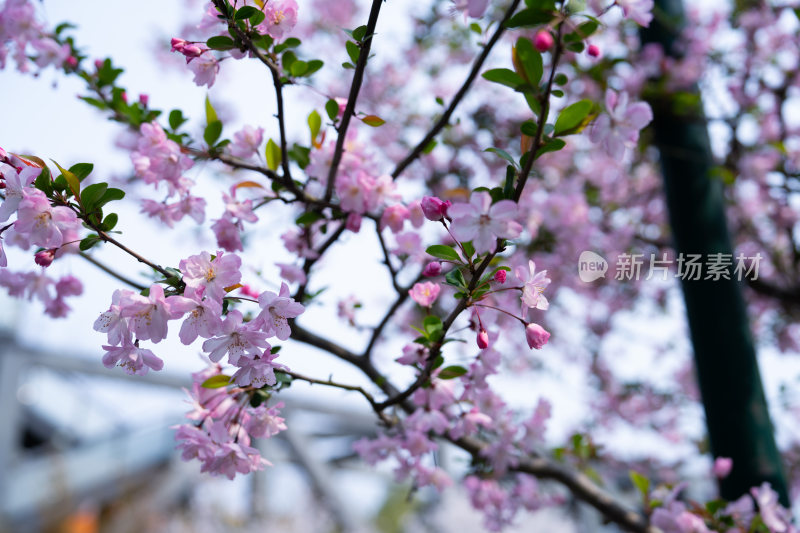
[(572, 117), (273, 154), (215, 382), (314, 124), (212, 132), (211, 114), (504, 76), (72, 180), (451, 372), (530, 60), (442, 251), (373, 120)]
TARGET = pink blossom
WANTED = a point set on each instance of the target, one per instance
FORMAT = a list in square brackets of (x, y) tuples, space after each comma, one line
[(276, 309), (3, 258), (425, 293), (534, 285), (722, 467), (204, 320), (536, 336), (281, 18), (205, 69), (472, 8), (415, 214), (246, 142), (394, 216), (15, 184), (112, 321), (481, 222), (133, 359), (228, 234), (158, 159), (413, 353), (40, 221), (258, 371), (265, 422), (237, 340), (148, 315), (640, 11), (408, 244), (212, 276), (353, 222), (618, 129), (292, 273)]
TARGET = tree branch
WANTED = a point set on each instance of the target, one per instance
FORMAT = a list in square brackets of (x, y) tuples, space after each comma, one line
[(355, 87), (445, 118), (108, 270)]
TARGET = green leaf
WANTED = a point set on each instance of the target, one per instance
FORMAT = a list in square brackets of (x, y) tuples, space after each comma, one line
[(450, 372), (221, 42), (212, 132), (442, 251), (215, 382), (502, 153), (314, 124), (530, 60), (211, 114), (176, 119), (291, 42), (88, 242), (245, 12), (528, 128), (508, 188), (468, 248), (257, 18), (81, 170), (300, 155), (433, 327), (504, 76), (110, 222), (332, 109), (640, 481), (456, 279), (306, 219), (531, 17), (288, 59), (551, 145), (353, 51), (273, 154), (429, 147), (313, 66), (91, 195), (572, 116), (298, 68), (44, 182), (373, 120), (111, 195), (359, 33), (72, 180)]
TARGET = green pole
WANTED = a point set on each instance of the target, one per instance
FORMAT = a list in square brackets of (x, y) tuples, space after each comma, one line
[(737, 418)]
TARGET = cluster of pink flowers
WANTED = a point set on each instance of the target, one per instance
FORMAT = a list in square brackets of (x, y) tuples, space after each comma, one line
[(223, 427), (23, 37), (229, 226), (158, 160), (40, 224)]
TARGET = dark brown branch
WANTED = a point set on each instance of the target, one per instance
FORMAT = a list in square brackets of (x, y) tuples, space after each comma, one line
[(355, 87), (445, 118)]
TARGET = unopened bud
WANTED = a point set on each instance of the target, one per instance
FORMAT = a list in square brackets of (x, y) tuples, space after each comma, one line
[(536, 336), (483, 339), (500, 276), (45, 257), (543, 41), (72, 62), (353, 222), (434, 268), (143, 99), (434, 208), (593, 50)]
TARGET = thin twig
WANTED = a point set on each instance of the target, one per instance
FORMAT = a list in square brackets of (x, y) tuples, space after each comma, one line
[(445, 118), (108, 270), (355, 87)]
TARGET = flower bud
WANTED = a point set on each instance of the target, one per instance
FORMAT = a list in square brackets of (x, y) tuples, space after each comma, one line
[(177, 45), (434, 268), (143, 99), (543, 41), (722, 467), (98, 64), (45, 257), (434, 208), (593, 50), (536, 335), (500, 276), (353, 222), (72, 62), (483, 339)]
